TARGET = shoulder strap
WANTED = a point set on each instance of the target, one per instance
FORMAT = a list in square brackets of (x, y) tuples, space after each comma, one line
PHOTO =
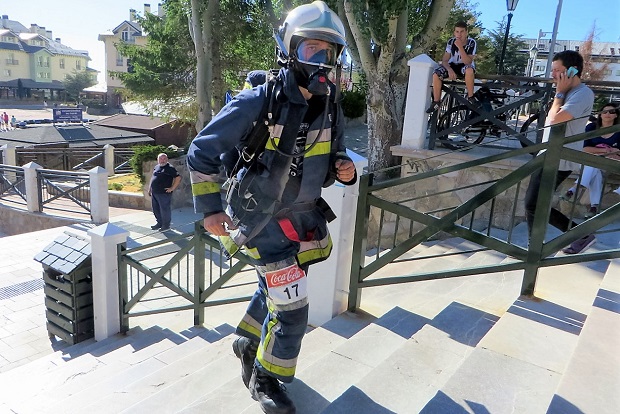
[(257, 138)]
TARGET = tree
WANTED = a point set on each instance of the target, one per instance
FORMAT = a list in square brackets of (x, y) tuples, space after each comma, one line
[(515, 61), (76, 82), (383, 36), (162, 75), (591, 70)]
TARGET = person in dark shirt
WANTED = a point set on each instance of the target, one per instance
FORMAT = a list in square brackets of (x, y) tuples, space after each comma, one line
[(164, 181)]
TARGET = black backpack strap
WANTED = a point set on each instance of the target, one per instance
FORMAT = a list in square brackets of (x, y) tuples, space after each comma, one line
[(255, 142)]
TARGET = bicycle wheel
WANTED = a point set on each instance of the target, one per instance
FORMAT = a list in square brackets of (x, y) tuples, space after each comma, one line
[(460, 138), (529, 130)]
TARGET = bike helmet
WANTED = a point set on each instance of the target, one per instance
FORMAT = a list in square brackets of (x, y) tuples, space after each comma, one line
[(310, 21)]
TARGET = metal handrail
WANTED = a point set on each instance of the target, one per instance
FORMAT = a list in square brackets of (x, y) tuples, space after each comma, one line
[(56, 186), (386, 203), (172, 275)]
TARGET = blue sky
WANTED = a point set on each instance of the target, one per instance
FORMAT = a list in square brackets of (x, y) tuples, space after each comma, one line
[(79, 22), (576, 18)]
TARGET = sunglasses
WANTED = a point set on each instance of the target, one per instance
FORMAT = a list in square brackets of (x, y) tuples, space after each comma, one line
[(609, 111)]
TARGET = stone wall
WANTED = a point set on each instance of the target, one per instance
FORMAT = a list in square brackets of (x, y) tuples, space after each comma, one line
[(14, 221), (182, 196)]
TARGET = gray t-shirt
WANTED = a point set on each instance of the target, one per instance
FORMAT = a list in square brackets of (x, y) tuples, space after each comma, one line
[(578, 103)]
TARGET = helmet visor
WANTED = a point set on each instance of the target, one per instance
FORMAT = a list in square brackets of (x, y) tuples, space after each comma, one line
[(317, 52)]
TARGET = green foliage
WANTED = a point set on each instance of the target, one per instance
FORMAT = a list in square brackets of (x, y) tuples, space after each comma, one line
[(76, 82), (143, 153), (115, 186), (514, 62), (353, 103), (163, 70)]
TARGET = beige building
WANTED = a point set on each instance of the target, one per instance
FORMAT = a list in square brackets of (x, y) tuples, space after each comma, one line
[(33, 64), (129, 31)]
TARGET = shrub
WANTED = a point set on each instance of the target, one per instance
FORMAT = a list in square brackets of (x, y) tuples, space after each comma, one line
[(143, 153), (353, 104), (115, 186)]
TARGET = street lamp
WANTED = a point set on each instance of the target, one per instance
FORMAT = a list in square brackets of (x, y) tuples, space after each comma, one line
[(511, 5), (533, 54)]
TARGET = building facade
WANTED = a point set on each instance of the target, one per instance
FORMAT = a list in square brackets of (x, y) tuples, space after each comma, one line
[(129, 31), (603, 54), (34, 65)]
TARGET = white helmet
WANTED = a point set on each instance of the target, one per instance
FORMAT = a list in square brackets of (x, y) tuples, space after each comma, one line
[(311, 21)]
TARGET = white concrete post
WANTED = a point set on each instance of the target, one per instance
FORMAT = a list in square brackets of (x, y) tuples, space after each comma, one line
[(103, 241), (33, 196), (99, 197), (418, 100), (9, 155), (328, 281), (108, 160)]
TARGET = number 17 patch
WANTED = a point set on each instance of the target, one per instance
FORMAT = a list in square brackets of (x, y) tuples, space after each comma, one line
[(287, 285)]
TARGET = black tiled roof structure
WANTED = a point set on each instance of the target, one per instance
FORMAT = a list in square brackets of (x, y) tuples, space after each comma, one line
[(66, 253)]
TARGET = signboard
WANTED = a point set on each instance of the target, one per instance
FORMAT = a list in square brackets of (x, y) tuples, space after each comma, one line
[(67, 115)]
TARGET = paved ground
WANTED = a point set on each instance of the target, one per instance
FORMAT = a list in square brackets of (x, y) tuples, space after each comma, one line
[(23, 334)]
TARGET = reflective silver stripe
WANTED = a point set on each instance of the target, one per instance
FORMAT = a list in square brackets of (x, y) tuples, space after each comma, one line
[(198, 177)]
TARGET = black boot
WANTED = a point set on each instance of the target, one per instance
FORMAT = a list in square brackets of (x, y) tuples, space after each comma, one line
[(270, 394), (245, 349)]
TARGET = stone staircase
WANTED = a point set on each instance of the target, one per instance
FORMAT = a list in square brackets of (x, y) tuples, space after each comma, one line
[(461, 345)]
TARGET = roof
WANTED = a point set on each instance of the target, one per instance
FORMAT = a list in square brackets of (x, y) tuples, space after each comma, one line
[(75, 135), (29, 83), (143, 122), (66, 253), (133, 25)]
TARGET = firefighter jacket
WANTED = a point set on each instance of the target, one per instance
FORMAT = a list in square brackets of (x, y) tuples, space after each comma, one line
[(279, 195)]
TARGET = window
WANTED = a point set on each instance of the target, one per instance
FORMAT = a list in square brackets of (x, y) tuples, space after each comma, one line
[(46, 62), (539, 68), (40, 61), (125, 35), (61, 63), (618, 73), (576, 48), (7, 72), (11, 60), (78, 64), (612, 50), (119, 59), (129, 66), (607, 72)]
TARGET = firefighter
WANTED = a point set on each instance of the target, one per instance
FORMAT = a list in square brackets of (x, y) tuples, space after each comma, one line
[(273, 209)]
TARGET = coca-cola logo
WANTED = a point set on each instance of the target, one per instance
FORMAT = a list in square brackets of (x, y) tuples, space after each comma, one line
[(284, 276)]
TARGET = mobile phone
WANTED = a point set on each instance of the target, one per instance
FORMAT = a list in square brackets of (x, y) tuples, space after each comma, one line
[(572, 71)]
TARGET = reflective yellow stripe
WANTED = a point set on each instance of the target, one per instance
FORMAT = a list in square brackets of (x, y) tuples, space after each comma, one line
[(321, 148), (270, 143), (249, 328), (229, 244), (278, 370), (206, 187), (313, 255), (253, 252)]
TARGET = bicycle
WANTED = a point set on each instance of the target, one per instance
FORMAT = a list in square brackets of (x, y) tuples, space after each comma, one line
[(489, 100)]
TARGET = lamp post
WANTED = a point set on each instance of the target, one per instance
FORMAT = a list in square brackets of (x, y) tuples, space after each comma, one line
[(511, 5), (533, 54)]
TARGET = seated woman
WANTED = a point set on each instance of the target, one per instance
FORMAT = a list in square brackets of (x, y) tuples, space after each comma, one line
[(606, 145)]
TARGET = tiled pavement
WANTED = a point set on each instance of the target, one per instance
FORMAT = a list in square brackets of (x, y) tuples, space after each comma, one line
[(23, 335)]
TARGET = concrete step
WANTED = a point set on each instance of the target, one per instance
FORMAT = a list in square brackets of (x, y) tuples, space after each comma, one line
[(119, 380), (517, 366), (316, 386), (176, 376), (83, 372), (591, 380)]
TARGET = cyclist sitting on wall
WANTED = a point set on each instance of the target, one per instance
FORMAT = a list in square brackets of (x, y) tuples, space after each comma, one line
[(457, 62)]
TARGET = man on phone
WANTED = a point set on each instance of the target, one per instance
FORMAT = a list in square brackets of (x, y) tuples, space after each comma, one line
[(572, 104)]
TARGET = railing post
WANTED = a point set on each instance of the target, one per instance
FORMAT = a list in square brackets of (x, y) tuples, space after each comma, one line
[(418, 99), (33, 191), (328, 289), (108, 158), (552, 155), (199, 273), (99, 198), (103, 241), (9, 155), (359, 242)]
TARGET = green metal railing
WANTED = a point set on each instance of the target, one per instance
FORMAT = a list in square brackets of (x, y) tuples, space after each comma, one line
[(393, 222), (184, 272), (64, 190)]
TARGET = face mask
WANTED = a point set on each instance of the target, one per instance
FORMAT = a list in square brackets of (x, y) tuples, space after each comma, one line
[(317, 82)]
